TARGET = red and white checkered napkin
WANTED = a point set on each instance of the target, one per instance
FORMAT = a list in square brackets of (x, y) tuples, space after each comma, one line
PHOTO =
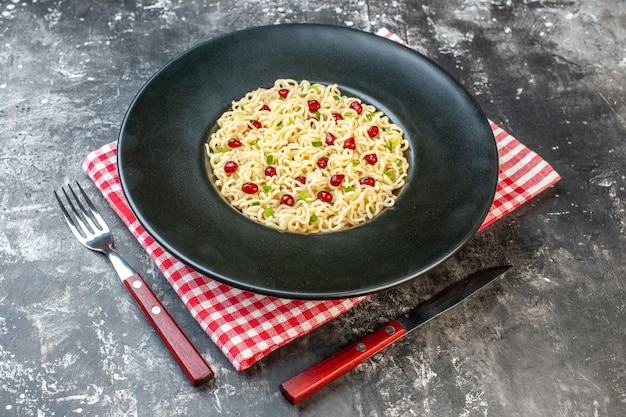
[(248, 326)]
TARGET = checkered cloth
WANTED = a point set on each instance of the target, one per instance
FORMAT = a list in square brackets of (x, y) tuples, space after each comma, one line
[(248, 326)]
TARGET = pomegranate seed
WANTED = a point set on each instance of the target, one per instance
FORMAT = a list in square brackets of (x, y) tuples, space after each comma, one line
[(265, 107), (249, 188), (233, 143), (255, 124), (356, 106), (371, 158), (349, 144), (330, 139), (314, 105), (322, 162), (301, 179), (270, 171), (335, 180), (230, 167), (287, 200), (372, 131), (337, 116), (367, 181), (325, 196), (283, 92)]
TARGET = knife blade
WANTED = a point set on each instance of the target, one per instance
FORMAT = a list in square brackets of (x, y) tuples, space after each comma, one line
[(311, 380)]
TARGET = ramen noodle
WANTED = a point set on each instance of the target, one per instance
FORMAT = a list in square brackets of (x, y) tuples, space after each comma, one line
[(304, 157)]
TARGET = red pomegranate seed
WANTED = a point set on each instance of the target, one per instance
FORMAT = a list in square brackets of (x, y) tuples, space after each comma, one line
[(349, 144), (356, 106), (371, 158), (367, 181), (255, 124), (314, 105), (287, 200), (233, 143), (265, 107), (335, 180), (322, 162), (230, 167), (372, 131), (325, 196), (337, 116), (301, 179), (249, 188), (270, 171), (330, 139), (283, 92)]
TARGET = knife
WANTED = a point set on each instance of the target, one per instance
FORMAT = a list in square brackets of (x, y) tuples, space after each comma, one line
[(309, 381)]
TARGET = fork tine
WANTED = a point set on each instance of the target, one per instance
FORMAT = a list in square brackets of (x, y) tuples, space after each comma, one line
[(94, 212), (84, 218), (68, 218), (79, 219)]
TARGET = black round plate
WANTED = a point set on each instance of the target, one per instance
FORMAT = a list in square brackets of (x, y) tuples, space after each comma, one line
[(452, 180)]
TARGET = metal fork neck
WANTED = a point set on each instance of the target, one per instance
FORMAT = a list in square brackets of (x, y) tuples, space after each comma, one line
[(123, 269)]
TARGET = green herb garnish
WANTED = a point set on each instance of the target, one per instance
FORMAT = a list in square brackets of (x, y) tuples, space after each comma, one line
[(269, 159), (313, 218), (268, 212), (317, 143), (304, 196), (349, 189)]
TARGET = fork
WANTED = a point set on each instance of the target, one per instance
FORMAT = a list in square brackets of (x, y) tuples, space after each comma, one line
[(92, 231)]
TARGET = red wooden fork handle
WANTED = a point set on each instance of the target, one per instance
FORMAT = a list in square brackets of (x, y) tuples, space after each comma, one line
[(190, 360)]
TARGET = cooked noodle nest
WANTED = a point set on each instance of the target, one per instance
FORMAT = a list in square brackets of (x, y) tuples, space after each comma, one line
[(285, 128)]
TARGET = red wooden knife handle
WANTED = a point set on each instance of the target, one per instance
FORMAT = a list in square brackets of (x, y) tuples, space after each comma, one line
[(317, 376), (191, 361)]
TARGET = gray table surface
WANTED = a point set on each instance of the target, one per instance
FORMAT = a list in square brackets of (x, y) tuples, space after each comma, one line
[(547, 340)]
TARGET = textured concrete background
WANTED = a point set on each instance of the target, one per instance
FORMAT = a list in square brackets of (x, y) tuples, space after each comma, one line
[(547, 340)]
